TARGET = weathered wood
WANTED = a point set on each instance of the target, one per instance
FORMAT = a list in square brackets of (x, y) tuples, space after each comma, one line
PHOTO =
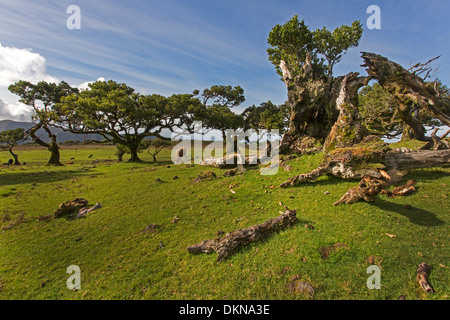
[(75, 208), (423, 271), (405, 189), (417, 160), (436, 142), (227, 245), (346, 167), (407, 87), (366, 190), (348, 129), (84, 211)]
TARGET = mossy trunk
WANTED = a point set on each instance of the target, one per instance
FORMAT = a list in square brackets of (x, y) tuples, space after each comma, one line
[(52, 147), (348, 128), (312, 111), (408, 89)]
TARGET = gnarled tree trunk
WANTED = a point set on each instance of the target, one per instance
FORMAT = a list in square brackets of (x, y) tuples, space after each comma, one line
[(408, 89), (348, 129), (312, 111), (52, 146)]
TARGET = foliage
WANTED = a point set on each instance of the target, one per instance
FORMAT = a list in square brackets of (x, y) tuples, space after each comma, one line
[(155, 146), (123, 116), (294, 41), (266, 116), (333, 45), (218, 102), (378, 109), (9, 139), (43, 98)]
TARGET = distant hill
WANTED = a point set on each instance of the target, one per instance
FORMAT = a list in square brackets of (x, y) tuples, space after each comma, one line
[(62, 136)]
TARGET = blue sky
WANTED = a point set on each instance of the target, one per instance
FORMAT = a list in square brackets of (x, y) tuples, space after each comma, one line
[(176, 46)]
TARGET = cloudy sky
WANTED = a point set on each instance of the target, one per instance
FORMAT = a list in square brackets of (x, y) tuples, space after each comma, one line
[(177, 46)]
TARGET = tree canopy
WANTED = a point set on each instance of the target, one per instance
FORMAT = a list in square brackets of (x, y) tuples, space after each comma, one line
[(43, 98), (218, 102), (9, 139), (114, 111), (297, 45)]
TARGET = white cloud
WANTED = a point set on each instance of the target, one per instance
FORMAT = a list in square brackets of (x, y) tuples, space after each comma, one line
[(85, 85), (22, 64), (18, 111), (19, 64)]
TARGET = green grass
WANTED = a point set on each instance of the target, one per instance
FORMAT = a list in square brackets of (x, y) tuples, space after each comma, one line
[(118, 261)]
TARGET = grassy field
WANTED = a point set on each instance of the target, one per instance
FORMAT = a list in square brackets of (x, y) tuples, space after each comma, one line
[(118, 261)]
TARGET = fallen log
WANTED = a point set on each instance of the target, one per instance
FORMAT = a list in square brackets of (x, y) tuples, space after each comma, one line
[(228, 244), (417, 160), (84, 211), (348, 166)]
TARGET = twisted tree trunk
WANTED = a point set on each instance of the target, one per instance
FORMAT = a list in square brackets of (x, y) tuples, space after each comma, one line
[(348, 129), (312, 111), (371, 159), (349, 155), (52, 146), (408, 89)]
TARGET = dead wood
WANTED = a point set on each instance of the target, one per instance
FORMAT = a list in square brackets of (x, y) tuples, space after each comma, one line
[(359, 161), (417, 160), (366, 190), (74, 208), (436, 142), (228, 244), (401, 190), (423, 271), (296, 286), (84, 211), (205, 175)]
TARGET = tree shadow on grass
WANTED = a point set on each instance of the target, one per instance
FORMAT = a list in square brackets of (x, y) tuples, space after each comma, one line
[(415, 215), (12, 178), (427, 174)]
